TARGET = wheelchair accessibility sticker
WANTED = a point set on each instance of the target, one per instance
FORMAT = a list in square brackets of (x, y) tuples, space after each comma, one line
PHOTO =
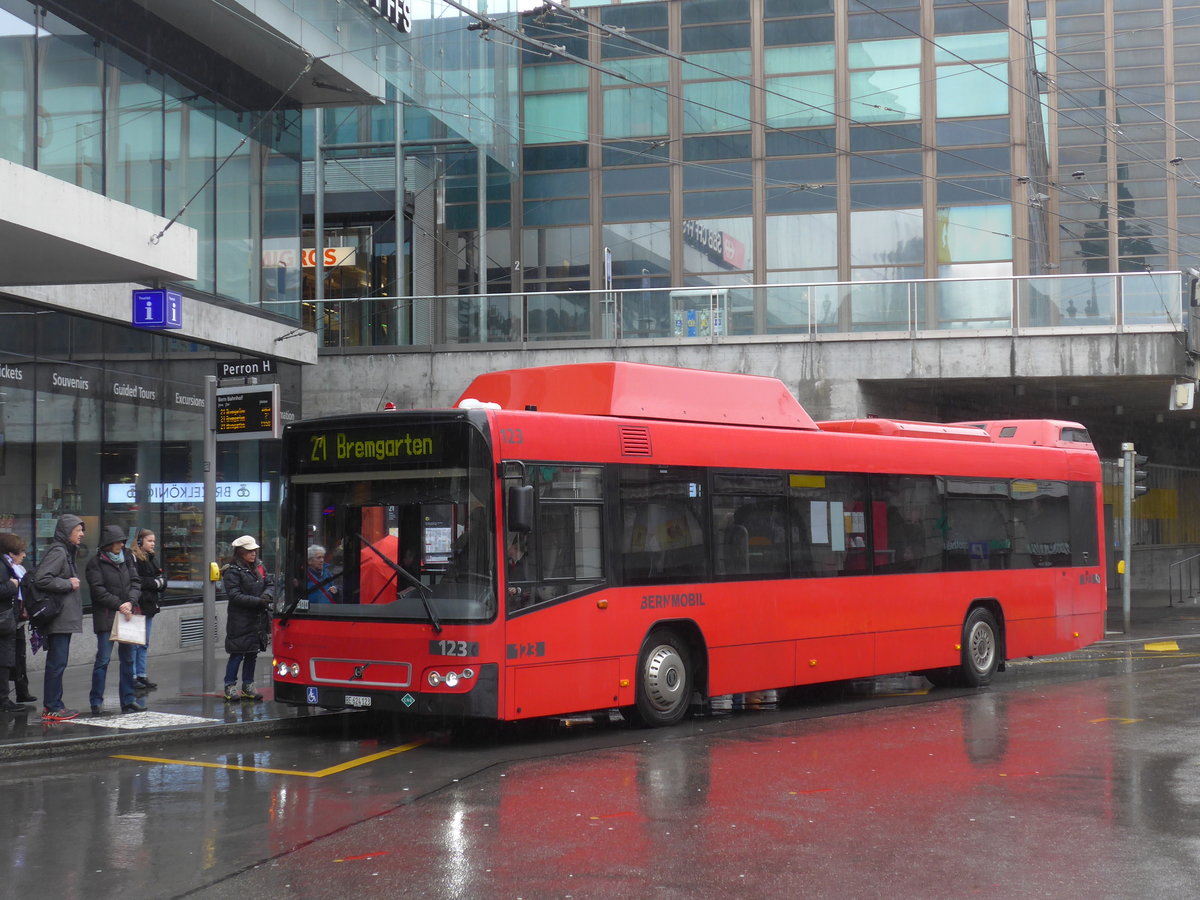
[(311, 694)]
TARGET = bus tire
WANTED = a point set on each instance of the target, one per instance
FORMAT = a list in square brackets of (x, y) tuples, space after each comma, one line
[(664, 679), (980, 648)]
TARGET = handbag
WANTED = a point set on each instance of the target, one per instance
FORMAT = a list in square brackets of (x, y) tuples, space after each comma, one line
[(131, 631), (42, 608), (8, 622)]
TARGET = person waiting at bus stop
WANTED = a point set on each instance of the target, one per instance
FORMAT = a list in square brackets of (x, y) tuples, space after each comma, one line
[(250, 591), (116, 590)]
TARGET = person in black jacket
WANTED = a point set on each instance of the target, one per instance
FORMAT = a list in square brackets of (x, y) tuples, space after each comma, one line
[(116, 589), (250, 591), (56, 574), (9, 586), (153, 581), (12, 555)]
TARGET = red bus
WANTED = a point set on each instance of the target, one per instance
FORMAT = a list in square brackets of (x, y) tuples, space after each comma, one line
[(583, 537)]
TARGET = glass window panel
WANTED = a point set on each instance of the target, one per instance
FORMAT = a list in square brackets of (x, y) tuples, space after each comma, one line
[(637, 181), (17, 44), (732, 146), (715, 106), (970, 233), (906, 524), (550, 118), (647, 70), (893, 136), (886, 237), (135, 140), (735, 64), (983, 303), (799, 31), (573, 156), (631, 112), (556, 185), (70, 109), (718, 244), (626, 16), (817, 198), (972, 91), (799, 100), (724, 175), (775, 8), (880, 166), (827, 524), (973, 47), (800, 143), (881, 54), (637, 208), (794, 172), (895, 24), (701, 204), (634, 153), (699, 12), (968, 133), (817, 58), (885, 193), (977, 17), (189, 151), (953, 191), (794, 241), (551, 252), (556, 77), (618, 48), (751, 536), (971, 161), (885, 95), (556, 212), (727, 37), (662, 522)]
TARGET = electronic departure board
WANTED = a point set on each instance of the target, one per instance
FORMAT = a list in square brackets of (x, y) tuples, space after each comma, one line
[(249, 411)]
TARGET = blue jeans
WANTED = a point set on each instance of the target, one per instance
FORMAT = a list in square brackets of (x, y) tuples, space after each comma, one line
[(104, 645), (58, 652), (247, 662), (139, 652)]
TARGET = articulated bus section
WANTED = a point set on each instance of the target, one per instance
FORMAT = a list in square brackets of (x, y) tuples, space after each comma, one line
[(576, 538)]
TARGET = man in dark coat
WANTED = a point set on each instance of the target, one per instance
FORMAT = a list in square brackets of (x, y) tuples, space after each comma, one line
[(56, 574), (116, 588), (250, 591)]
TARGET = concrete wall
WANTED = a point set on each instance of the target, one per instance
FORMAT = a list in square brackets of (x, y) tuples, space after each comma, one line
[(831, 378)]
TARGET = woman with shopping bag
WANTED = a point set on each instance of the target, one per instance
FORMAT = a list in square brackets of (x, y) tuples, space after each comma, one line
[(116, 590)]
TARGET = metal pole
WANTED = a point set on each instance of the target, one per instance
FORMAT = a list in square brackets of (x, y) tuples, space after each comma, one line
[(1127, 455), (209, 541), (401, 313), (481, 244), (319, 225)]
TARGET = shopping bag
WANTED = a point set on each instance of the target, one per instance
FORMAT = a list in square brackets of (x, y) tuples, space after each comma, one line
[(129, 631)]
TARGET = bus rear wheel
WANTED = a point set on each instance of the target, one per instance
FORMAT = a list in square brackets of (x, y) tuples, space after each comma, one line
[(664, 679), (980, 654)]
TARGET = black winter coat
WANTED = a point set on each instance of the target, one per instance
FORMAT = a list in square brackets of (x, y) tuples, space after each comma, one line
[(8, 601), (149, 575), (112, 584), (248, 618)]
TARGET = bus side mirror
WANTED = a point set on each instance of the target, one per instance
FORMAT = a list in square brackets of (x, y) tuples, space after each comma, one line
[(519, 508)]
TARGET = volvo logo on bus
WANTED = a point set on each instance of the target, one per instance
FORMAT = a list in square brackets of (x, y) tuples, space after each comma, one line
[(358, 672)]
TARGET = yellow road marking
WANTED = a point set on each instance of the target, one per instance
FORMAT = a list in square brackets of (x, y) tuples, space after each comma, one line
[(332, 770), (1161, 646), (1120, 720), (1045, 662)]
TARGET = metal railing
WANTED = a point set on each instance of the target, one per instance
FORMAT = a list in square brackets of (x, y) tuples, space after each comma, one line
[(1183, 579), (714, 313)]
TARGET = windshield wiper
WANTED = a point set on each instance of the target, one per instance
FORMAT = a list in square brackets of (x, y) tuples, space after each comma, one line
[(300, 595), (422, 589)]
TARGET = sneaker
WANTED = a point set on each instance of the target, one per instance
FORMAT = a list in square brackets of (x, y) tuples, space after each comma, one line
[(133, 707), (59, 715), (249, 693), (143, 682), (26, 698), (231, 693)]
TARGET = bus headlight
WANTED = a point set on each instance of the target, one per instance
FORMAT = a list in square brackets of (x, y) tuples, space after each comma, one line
[(283, 669), (434, 679), (451, 679)]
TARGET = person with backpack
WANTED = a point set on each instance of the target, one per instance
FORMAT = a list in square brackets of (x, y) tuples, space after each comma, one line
[(250, 592), (56, 574), (116, 589)]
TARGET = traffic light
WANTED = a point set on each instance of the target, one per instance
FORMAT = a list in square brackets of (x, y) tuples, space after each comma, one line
[(1139, 475)]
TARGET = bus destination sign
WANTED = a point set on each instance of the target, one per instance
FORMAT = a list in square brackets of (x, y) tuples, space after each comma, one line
[(245, 413), (367, 448)]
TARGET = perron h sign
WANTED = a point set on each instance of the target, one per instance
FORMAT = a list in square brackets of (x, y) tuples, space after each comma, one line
[(157, 309)]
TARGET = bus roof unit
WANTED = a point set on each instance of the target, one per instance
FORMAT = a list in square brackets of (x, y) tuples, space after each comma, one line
[(900, 428), (1036, 432), (641, 391)]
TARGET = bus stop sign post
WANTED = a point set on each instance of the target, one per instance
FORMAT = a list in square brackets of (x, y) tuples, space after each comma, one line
[(210, 532)]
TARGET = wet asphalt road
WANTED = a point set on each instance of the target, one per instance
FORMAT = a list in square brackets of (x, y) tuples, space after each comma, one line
[(1074, 776)]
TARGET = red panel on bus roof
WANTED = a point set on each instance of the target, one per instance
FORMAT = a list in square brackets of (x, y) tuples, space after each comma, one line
[(641, 391), (901, 428)]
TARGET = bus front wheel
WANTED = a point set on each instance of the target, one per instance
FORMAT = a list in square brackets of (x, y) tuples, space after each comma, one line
[(664, 679)]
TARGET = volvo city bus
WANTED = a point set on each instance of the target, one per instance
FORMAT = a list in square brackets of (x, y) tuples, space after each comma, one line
[(585, 537)]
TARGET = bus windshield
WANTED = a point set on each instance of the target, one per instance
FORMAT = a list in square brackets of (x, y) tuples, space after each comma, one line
[(410, 540)]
